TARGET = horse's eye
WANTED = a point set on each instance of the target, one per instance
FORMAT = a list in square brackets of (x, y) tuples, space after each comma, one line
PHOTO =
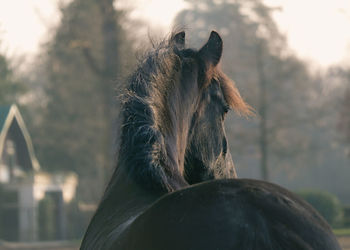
[(226, 109)]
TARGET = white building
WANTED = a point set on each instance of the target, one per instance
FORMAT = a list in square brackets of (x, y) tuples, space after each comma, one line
[(23, 185)]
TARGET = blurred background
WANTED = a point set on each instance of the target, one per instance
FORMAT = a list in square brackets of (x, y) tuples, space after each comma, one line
[(63, 65)]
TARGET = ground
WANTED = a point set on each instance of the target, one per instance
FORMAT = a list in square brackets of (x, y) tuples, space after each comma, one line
[(39, 246), (343, 240)]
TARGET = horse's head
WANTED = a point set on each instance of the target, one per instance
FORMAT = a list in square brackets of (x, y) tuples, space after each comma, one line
[(173, 133), (207, 153)]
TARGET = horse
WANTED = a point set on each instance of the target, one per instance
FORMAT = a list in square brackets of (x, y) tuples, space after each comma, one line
[(175, 185)]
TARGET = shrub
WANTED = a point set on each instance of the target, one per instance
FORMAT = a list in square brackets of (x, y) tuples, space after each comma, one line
[(326, 204), (346, 216)]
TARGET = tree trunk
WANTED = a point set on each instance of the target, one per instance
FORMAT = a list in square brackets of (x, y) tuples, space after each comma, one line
[(107, 72), (263, 139)]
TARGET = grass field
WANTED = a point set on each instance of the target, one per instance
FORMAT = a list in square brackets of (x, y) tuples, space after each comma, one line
[(342, 232)]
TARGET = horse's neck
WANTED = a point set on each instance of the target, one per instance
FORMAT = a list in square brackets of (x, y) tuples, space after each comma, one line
[(150, 164), (122, 202), (125, 196)]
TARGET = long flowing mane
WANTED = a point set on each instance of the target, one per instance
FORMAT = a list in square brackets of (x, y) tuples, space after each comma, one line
[(147, 116)]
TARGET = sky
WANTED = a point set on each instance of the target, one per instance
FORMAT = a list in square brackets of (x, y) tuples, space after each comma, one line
[(317, 30), (24, 37)]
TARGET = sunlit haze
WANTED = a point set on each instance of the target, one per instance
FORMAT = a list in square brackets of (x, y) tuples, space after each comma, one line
[(156, 12), (317, 31), (24, 36)]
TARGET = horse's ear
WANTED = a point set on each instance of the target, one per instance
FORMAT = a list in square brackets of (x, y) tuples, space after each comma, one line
[(178, 39), (211, 51)]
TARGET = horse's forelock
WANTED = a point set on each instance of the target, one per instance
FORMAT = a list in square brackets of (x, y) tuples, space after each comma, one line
[(231, 93)]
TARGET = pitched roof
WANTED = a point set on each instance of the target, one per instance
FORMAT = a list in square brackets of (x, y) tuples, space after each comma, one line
[(4, 110), (9, 115)]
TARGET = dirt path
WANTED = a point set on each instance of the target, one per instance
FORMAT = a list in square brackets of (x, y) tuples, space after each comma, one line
[(39, 246), (344, 242)]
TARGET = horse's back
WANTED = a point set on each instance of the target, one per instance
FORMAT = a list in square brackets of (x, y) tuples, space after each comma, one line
[(229, 214)]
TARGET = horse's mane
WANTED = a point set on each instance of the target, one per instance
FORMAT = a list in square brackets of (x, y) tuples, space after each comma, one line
[(147, 115)]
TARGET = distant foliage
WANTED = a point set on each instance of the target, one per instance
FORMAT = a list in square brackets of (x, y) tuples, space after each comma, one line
[(341, 75), (346, 221), (79, 72), (345, 117), (326, 204), (10, 88)]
